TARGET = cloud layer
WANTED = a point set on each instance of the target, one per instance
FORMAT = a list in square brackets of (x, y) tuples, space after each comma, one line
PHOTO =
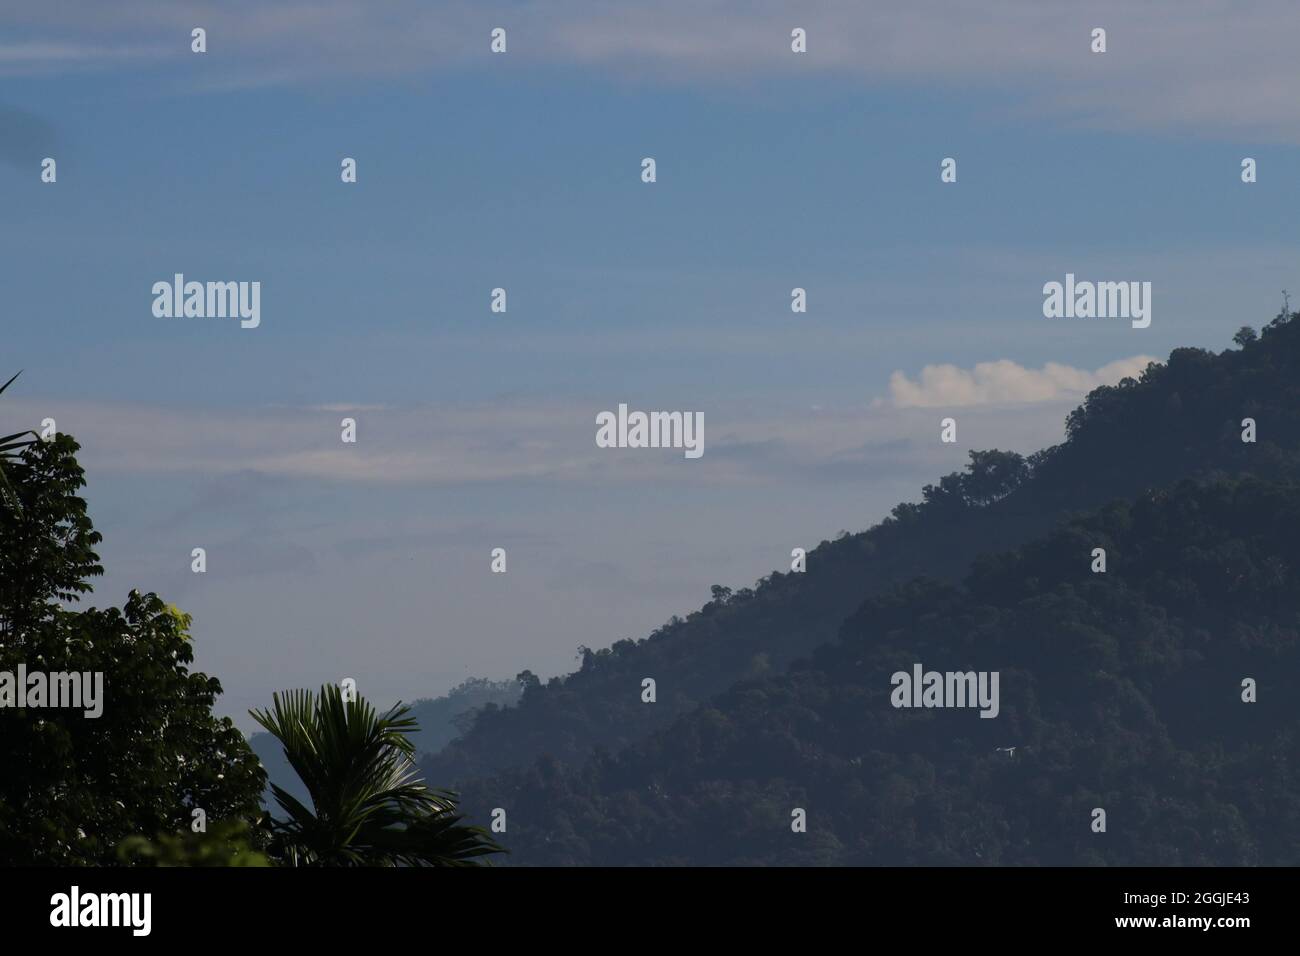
[(1005, 383), (554, 442)]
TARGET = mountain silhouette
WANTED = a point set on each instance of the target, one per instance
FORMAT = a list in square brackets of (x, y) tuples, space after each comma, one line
[(1181, 420)]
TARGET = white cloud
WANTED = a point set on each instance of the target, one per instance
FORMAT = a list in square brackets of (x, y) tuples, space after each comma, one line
[(1005, 383)]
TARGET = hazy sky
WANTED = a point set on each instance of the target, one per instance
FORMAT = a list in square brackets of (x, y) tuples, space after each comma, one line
[(476, 430)]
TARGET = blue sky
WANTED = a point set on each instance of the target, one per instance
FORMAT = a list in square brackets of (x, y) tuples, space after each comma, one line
[(476, 430)]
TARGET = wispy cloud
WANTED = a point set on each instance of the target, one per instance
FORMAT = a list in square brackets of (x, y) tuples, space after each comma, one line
[(1207, 69), (36, 56), (1005, 383)]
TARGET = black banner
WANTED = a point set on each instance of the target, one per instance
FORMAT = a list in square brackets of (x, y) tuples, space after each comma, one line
[(366, 905)]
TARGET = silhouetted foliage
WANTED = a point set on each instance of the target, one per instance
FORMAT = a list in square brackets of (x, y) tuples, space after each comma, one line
[(74, 787), (10, 447)]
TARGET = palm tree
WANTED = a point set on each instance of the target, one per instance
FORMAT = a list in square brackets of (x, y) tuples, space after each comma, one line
[(10, 446), (369, 808)]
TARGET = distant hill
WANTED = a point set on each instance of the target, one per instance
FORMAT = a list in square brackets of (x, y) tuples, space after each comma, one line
[(440, 720), (1119, 690), (1182, 419)]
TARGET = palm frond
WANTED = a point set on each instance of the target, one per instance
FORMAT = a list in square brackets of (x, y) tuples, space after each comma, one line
[(9, 447), (369, 806)]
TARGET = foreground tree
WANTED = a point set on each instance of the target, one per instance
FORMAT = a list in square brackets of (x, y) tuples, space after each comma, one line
[(369, 808), (229, 843), (74, 786)]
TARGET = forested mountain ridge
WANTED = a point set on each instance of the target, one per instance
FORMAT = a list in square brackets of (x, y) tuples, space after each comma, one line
[(1181, 419), (1120, 691)]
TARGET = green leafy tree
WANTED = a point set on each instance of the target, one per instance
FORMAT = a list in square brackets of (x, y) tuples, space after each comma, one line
[(369, 808), (229, 843), (75, 786)]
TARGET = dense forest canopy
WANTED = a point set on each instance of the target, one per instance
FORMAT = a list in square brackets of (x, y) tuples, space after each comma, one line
[(1119, 690)]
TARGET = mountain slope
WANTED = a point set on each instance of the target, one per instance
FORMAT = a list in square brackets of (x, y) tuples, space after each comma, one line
[(1119, 690), (1182, 419)]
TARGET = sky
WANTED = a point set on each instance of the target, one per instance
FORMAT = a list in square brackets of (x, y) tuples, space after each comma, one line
[(522, 170)]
